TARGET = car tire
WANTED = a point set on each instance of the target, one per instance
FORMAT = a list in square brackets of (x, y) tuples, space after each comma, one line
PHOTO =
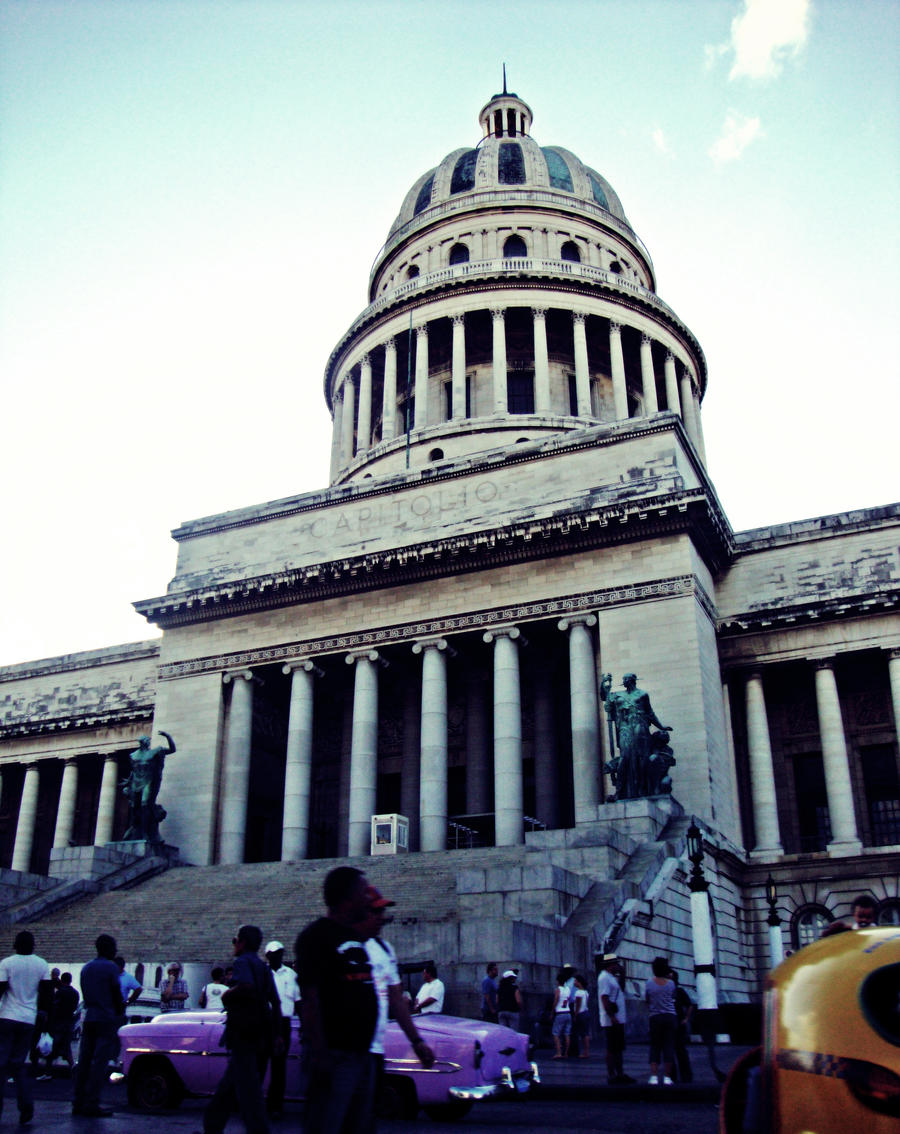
[(448, 1112), (396, 1098), (153, 1085)]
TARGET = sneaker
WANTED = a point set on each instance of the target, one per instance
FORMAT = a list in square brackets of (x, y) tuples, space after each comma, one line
[(667, 1082), (43, 1078), (653, 1080)]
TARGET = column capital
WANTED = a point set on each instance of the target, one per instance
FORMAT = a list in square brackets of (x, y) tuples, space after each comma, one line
[(391, 344), (512, 632), (364, 655), (365, 360), (893, 652), (646, 340), (576, 620), (420, 645), (458, 320), (823, 663), (539, 313), (615, 328), (670, 357), (348, 380), (70, 761), (233, 674), (422, 331), (498, 314), (304, 664), (578, 317)]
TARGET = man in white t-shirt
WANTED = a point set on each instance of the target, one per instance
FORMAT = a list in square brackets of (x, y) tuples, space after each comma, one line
[(612, 1018), (25, 988), (211, 994), (289, 995), (430, 997)]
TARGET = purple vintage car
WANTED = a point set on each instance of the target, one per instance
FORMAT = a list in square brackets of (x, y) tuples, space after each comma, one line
[(180, 1053)]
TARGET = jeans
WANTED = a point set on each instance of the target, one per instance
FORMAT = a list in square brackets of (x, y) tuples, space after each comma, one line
[(239, 1089), (15, 1043), (341, 1101), (98, 1043), (275, 1097)]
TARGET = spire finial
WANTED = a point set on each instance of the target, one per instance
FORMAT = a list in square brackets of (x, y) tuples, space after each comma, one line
[(504, 78)]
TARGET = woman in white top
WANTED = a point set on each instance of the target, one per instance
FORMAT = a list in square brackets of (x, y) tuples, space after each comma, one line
[(581, 1027)]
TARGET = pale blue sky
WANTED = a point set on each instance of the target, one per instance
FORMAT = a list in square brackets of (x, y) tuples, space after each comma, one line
[(191, 196)]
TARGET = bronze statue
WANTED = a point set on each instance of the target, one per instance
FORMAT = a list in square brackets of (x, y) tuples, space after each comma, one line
[(142, 787), (642, 766)]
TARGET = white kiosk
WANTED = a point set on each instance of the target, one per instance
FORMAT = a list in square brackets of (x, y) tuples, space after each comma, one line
[(390, 834)]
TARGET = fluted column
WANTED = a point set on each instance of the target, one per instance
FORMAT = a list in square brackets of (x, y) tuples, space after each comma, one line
[(498, 315), (844, 835), (458, 367), (617, 363), (421, 388), (546, 780), (389, 396), (236, 767), (337, 432), (348, 413), (648, 378), (687, 408), (894, 678), (106, 808), (508, 788), (65, 813), (762, 774), (409, 776), (433, 750), (363, 750), (21, 859), (582, 372), (585, 711), (541, 361), (478, 757), (298, 762), (672, 385), (364, 425)]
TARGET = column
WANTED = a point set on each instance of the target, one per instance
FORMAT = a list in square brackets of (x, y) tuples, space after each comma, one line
[(389, 398), (844, 835), (687, 408), (421, 387), (732, 761), (458, 367), (672, 398), (363, 751), (698, 425), (298, 762), (106, 808), (409, 777), (236, 767), (498, 316), (894, 678), (364, 426), (348, 414), (762, 774), (21, 859), (65, 814), (546, 787), (648, 378), (541, 361), (433, 750), (479, 797), (508, 792), (585, 712), (620, 391), (337, 432), (582, 373)]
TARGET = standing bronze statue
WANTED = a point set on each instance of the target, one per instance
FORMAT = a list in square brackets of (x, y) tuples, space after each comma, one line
[(142, 787), (642, 765)]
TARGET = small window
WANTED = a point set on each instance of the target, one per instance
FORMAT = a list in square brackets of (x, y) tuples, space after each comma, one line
[(463, 178), (424, 198), (573, 396), (808, 923), (511, 164), (412, 271), (889, 913), (513, 247), (879, 997), (459, 254), (616, 267), (520, 392), (436, 455), (139, 972), (597, 190), (558, 170), (569, 251)]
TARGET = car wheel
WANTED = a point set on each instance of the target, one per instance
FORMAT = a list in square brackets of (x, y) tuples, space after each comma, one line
[(396, 1098), (448, 1111), (154, 1086)]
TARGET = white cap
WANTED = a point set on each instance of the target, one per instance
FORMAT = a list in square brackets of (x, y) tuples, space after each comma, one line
[(274, 947)]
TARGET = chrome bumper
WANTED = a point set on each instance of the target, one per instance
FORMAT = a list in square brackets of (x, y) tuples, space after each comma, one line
[(509, 1083)]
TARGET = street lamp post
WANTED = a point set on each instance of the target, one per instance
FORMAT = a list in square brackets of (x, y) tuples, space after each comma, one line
[(776, 942), (704, 952)]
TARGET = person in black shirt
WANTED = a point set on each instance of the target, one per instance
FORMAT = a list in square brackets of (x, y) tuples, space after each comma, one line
[(338, 1009), (103, 1006)]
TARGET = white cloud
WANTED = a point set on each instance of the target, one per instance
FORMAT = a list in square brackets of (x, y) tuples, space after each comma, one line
[(659, 140), (764, 36), (738, 131)]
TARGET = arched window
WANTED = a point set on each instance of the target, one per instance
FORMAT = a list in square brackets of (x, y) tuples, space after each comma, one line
[(459, 254), (423, 200), (597, 190), (139, 972), (560, 175), (807, 925), (569, 251), (889, 913), (463, 178), (412, 271), (436, 455), (511, 164), (514, 246)]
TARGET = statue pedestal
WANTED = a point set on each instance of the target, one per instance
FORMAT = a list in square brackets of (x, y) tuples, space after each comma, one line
[(642, 819), (143, 848), (98, 862)]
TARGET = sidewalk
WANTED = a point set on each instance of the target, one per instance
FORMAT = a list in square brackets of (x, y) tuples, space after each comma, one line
[(586, 1078)]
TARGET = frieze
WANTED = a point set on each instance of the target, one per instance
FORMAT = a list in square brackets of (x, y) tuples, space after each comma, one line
[(614, 596)]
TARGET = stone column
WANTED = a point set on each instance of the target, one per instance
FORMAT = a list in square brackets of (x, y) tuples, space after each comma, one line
[(508, 788), (541, 361), (546, 785), (298, 762), (337, 433), (348, 413), (762, 775), (433, 750), (421, 386), (363, 750), (648, 378), (409, 778), (106, 808), (672, 385), (498, 316), (732, 760), (844, 835), (687, 408), (458, 367), (364, 426), (21, 859), (582, 372), (698, 425), (389, 398), (65, 814), (478, 758), (620, 390), (894, 678), (236, 767), (585, 712)]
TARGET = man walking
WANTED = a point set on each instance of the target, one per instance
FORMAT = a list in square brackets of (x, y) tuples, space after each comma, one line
[(26, 988), (252, 1019), (489, 1006), (612, 1019), (103, 1008), (289, 996)]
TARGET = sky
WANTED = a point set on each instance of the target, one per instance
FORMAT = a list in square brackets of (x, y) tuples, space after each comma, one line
[(192, 195)]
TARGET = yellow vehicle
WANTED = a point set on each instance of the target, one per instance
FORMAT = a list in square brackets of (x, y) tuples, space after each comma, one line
[(830, 1060)]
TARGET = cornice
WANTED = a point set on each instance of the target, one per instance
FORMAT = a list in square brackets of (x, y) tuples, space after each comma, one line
[(88, 659), (76, 722), (796, 614), (399, 633)]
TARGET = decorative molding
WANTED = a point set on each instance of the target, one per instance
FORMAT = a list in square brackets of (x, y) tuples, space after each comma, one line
[(66, 724)]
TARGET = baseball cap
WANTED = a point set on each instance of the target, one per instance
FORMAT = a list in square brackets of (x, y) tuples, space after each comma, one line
[(274, 947), (377, 900)]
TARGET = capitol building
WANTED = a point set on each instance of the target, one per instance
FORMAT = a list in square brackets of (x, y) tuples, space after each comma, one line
[(518, 504)]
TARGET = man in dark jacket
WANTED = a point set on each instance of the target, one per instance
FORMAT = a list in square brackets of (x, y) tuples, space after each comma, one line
[(103, 1009)]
